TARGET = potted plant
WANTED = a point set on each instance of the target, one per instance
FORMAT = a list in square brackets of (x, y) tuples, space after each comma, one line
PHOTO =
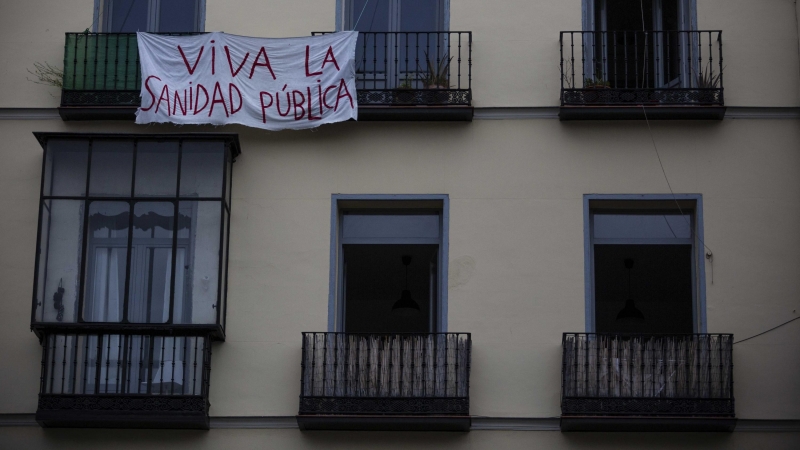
[(437, 77), (595, 83), (708, 83), (404, 92)]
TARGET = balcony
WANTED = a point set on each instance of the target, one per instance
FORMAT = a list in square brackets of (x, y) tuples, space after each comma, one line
[(424, 75), (399, 76), (615, 382), (385, 382), (124, 381), (635, 74), (102, 78)]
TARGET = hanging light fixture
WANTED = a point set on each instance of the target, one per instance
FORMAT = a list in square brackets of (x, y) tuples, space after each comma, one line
[(630, 312), (406, 306)]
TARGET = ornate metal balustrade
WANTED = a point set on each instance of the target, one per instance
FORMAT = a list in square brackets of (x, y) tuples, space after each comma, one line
[(392, 69), (385, 374), (102, 69), (431, 68), (648, 68), (647, 375), (124, 380)]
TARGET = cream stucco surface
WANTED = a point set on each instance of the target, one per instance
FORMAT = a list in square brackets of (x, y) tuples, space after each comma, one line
[(516, 230), (36, 438), (516, 190), (515, 59)]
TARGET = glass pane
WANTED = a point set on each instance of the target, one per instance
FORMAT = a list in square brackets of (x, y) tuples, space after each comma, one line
[(224, 280), (151, 265), (65, 167), (370, 15), (112, 165), (157, 168), (127, 16), (177, 16), (202, 263), (106, 261), (228, 177), (111, 364), (202, 164), (59, 261), (390, 226), (644, 226), (138, 351), (419, 15), (168, 365)]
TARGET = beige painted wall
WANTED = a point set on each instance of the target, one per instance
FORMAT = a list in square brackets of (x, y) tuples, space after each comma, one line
[(37, 438), (515, 54), (516, 192)]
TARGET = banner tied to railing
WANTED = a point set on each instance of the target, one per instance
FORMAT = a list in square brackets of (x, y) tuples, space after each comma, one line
[(276, 84)]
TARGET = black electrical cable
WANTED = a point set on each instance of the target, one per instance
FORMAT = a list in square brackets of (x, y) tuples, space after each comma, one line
[(765, 332)]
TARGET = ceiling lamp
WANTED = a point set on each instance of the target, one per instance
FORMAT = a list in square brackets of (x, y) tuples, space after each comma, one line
[(630, 312), (406, 306)]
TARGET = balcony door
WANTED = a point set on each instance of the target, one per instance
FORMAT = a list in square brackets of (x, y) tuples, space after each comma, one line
[(640, 44), (396, 39)]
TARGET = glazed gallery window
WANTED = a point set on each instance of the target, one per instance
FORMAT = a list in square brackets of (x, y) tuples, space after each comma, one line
[(644, 262), (389, 277), (162, 16), (133, 231)]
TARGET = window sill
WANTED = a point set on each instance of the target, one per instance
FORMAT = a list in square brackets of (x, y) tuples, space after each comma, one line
[(636, 112), (639, 423), (384, 423), (122, 411)]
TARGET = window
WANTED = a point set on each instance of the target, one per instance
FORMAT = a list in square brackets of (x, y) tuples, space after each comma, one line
[(646, 266), (163, 16), (397, 39), (134, 230), (642, 45), (396, 15), (390, 275)]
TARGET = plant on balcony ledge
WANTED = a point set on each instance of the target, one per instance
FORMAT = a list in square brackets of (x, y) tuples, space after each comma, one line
[(596, 83), (436, 77)]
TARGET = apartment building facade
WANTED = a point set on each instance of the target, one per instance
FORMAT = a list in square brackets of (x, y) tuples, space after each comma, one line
[(562, 224)]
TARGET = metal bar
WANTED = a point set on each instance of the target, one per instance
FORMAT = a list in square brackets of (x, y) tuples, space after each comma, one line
[(84, 243), (176, 219), (98, 363), (194, 369), (161, 364), (131, 208)]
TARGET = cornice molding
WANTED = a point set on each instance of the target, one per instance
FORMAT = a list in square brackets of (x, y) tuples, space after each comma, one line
[(489, 113), (551, 112), (479, 423), (29, 114)]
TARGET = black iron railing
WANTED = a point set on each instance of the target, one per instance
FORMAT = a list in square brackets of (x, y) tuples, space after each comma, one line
[(125, 364), (102, 69), (407, 374), (414, 68), (392, 68), (634, 374), (641, 68)]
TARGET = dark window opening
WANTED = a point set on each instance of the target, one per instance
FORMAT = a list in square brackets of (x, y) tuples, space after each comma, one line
[(390, 271), (643, 267)]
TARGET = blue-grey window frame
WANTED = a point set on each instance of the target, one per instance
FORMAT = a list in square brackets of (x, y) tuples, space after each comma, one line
[(340, 15), (334, 308), (699, 320), (99, 22)]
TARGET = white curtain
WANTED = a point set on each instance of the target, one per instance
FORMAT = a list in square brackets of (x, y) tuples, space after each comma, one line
[(108, 281)]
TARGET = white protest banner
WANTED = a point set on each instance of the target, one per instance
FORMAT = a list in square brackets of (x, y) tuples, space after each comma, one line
[(276, 84)]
